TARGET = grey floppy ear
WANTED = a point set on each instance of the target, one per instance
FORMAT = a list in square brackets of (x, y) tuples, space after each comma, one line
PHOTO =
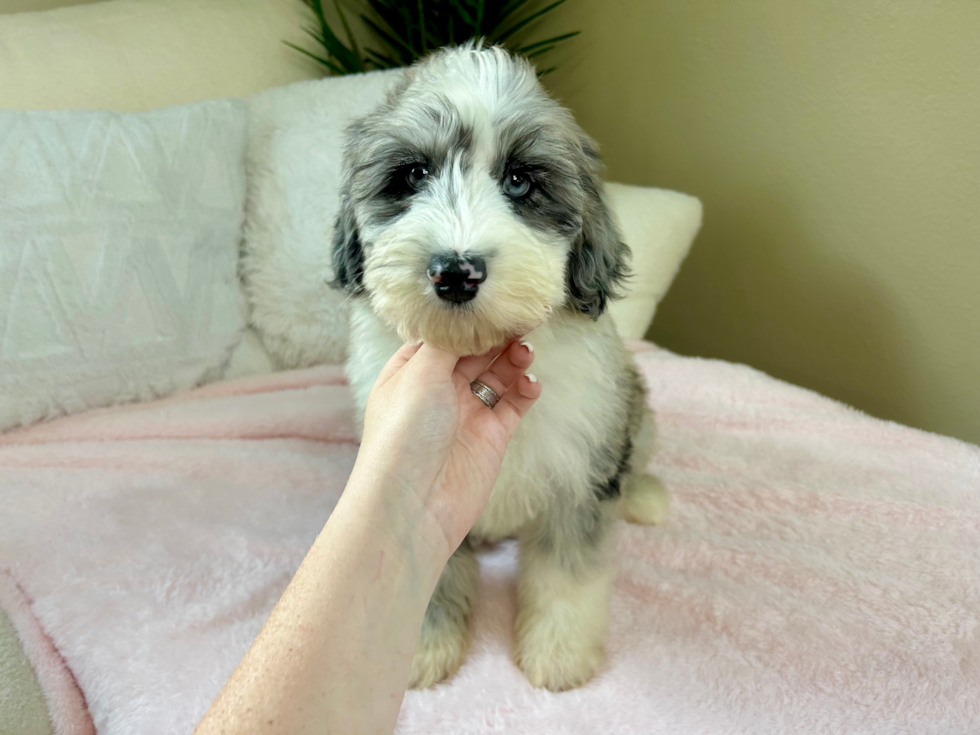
[(598, 262), (347, 252)]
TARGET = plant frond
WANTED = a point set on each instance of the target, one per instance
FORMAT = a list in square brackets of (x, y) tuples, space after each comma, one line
[(351, 39), (509, 9), (467, 18), (335, 48), (539, 52), (332, 67), (390, 39), (385, 62), (480, 7), (422, 31), (554, 40), (404, 31), (529, 19)]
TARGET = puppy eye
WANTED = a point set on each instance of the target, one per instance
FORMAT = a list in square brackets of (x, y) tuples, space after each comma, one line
[(416, 175), (516, 185)]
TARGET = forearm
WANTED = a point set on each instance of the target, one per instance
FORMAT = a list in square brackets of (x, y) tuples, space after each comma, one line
[(336, 652)]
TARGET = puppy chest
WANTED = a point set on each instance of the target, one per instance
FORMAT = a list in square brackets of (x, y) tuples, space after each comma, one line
[(546, 463)]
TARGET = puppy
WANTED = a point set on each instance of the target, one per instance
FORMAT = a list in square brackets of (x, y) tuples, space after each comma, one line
[(472, 212)]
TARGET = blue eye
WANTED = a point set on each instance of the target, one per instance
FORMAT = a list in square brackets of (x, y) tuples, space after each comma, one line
[(416, 175), (516, 185)]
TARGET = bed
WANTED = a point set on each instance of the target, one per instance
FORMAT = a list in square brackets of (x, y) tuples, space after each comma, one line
[(818, 571)]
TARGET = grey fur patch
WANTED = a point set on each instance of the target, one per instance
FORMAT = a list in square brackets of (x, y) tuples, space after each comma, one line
[(574, 536), (347, 251), (611, 489), (599, 261), (619, 452), (381, 147), (452, 601)]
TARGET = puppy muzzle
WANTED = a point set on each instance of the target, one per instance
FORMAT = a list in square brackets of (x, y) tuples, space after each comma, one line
[(457, 278)]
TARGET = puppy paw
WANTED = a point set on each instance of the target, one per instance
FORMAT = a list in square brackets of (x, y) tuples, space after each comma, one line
[(439, 656), (646, 501), (557, 665)]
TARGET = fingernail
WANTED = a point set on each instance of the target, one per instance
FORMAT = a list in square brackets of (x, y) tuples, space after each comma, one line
[(530, 347), (531, 378), (547, 309)]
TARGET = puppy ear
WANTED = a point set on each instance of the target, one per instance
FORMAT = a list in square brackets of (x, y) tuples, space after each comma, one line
[(348, 255), (598, 261)]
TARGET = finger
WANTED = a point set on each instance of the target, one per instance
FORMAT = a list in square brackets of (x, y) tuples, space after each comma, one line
[(516, 402), (472, 365), (432, 358), (507, 368), (397, 361)]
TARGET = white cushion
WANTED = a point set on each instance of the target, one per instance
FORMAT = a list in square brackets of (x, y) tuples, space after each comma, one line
[(294, 158), (119, 238), (659, 226)]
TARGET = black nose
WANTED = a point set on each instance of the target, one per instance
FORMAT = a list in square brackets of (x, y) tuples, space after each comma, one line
[(457, 278)]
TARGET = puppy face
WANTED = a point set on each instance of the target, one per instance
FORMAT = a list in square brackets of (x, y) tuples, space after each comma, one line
[(472, 206)]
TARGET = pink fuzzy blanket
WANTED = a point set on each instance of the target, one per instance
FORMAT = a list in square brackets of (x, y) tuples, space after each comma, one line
[(819, 572)]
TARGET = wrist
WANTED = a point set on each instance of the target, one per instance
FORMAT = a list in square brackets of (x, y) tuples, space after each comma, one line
[(392, 508)]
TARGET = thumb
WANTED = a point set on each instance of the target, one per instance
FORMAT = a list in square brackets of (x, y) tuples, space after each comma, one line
[(429, 358), (397, 361)]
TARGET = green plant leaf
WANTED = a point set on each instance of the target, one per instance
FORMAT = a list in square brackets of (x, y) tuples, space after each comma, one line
[(409, 26), (397, 18), (335, 48), (467, 18), (327, 47), (333, 67), (480, 7), (386, 62), (509, 9), (529, 19), (543, 72), (389, 39), (555, 40), (350, 36), (539, 52), (349, 60), (403, 31)]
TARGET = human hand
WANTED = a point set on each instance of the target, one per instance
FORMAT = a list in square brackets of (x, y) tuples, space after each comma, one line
[(428, 440)]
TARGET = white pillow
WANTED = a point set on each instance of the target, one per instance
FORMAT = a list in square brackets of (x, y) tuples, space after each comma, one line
[(119, 238), (294, 157), (659, 225)]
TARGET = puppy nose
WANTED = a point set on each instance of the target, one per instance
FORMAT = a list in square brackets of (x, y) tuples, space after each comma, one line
[(457, 278)]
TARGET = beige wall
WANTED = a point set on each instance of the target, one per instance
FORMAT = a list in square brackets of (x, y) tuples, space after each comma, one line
[(30, 6), (836, 148)]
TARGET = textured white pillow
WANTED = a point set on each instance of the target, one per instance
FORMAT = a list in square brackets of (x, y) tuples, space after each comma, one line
[(294, 156), (119, 238), (294, 159), (659, 225)]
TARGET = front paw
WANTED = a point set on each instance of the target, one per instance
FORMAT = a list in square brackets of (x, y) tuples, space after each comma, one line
[(440, 654), (552, 659)]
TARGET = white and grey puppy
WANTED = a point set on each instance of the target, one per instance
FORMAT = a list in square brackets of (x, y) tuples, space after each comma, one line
[(472, 212)]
